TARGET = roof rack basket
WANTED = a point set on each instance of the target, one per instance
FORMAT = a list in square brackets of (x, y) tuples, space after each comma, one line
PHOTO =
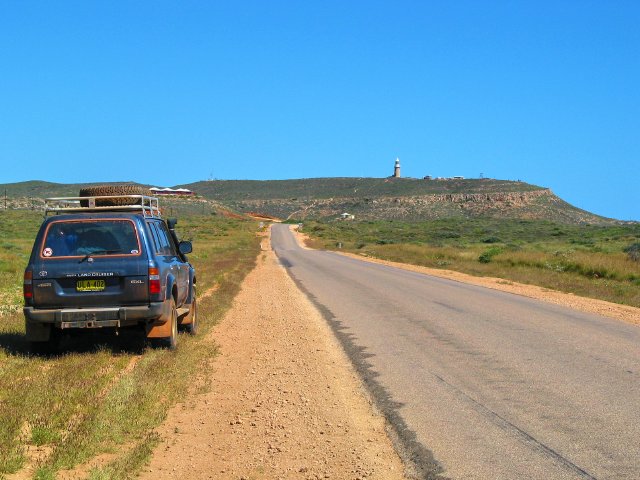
[(126, 203)]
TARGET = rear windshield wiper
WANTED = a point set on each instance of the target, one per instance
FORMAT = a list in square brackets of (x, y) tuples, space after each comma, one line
[(99, 252)]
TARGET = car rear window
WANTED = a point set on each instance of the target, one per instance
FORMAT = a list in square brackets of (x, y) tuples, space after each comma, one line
[(95, 237)]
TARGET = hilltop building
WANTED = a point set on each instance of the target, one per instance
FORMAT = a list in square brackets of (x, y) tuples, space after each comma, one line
[(171, 191), (396, 169)]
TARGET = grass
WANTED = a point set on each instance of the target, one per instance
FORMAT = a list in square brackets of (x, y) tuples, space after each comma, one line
[(103, 395), (17, 231), (587, 260)]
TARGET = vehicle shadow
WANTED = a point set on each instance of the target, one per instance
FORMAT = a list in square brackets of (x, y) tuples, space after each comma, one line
[(14, 343)]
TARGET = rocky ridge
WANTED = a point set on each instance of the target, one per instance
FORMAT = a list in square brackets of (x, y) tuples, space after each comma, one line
[(540, 204)]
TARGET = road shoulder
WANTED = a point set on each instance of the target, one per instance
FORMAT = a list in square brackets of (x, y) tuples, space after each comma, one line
[(284, 400)]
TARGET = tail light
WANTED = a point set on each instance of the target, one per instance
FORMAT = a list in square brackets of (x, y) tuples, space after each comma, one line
[(154, 281), (27, 286)]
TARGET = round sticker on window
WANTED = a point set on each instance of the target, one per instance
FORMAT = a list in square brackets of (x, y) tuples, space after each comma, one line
[(47, 252), (134, 252)]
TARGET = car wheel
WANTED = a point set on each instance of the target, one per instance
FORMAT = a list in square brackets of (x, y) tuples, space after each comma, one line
[(172, 340)]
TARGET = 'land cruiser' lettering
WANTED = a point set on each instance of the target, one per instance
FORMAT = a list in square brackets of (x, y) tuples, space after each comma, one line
[(90, 274)]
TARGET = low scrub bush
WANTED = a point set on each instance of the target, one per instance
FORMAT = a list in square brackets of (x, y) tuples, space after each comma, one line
[(487, 255), (491, 240), (633, 252), (448, 235)]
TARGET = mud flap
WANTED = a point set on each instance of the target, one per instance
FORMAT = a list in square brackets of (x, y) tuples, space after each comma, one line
[(38, 332), (184, 315), (161, 327), (159, 330)]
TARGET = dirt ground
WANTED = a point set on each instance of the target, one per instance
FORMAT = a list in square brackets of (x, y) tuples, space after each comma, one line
[(284, 402), (583, 304)]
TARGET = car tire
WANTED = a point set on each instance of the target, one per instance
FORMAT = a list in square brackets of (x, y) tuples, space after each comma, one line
[(106, 190), (171, 342)]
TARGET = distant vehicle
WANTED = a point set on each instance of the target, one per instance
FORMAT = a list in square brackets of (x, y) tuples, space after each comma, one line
[(107, 260)]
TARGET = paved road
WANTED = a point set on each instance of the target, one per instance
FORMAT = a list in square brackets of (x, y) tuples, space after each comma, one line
[(493, 385)]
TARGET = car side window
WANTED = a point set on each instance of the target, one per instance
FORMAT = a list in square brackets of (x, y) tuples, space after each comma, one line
[(154, 237), (163, 245), (165, 240)]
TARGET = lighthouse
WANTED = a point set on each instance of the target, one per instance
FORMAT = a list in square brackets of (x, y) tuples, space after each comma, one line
[(396, 169)]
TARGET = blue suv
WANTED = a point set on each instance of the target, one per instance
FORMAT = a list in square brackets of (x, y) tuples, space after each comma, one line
[(108, 262)]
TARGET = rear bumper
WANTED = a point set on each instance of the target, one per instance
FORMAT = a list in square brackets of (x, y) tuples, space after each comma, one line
[(96, 317)]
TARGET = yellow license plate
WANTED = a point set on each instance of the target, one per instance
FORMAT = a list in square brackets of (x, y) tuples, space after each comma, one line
[(90, 285)]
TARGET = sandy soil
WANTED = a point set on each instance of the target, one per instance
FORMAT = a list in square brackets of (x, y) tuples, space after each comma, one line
[(583, 304), (284, 401)]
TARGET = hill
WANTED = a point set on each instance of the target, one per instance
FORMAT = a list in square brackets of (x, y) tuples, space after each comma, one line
[(366, 198), (38, 189), (343, 187), (394, 198)]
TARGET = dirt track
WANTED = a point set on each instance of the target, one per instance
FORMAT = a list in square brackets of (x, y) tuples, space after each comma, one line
[(284, 400)]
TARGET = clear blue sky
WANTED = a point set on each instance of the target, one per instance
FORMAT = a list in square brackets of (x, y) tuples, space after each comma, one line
[(169, 93)]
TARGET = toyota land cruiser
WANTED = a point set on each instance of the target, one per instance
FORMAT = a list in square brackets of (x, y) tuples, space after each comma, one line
[(108, 262)]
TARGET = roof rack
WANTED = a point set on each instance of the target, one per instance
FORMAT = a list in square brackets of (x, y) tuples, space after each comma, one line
[(131, 203)]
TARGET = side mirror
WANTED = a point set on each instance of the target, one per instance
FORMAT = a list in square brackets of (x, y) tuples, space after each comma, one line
[(185, 247)]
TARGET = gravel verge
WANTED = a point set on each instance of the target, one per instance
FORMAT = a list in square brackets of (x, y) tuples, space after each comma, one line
[(284, 400)]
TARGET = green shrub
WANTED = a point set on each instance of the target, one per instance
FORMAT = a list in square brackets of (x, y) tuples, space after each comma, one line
[(633, 252), (448, 235), (491, 240), (488, 255)]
